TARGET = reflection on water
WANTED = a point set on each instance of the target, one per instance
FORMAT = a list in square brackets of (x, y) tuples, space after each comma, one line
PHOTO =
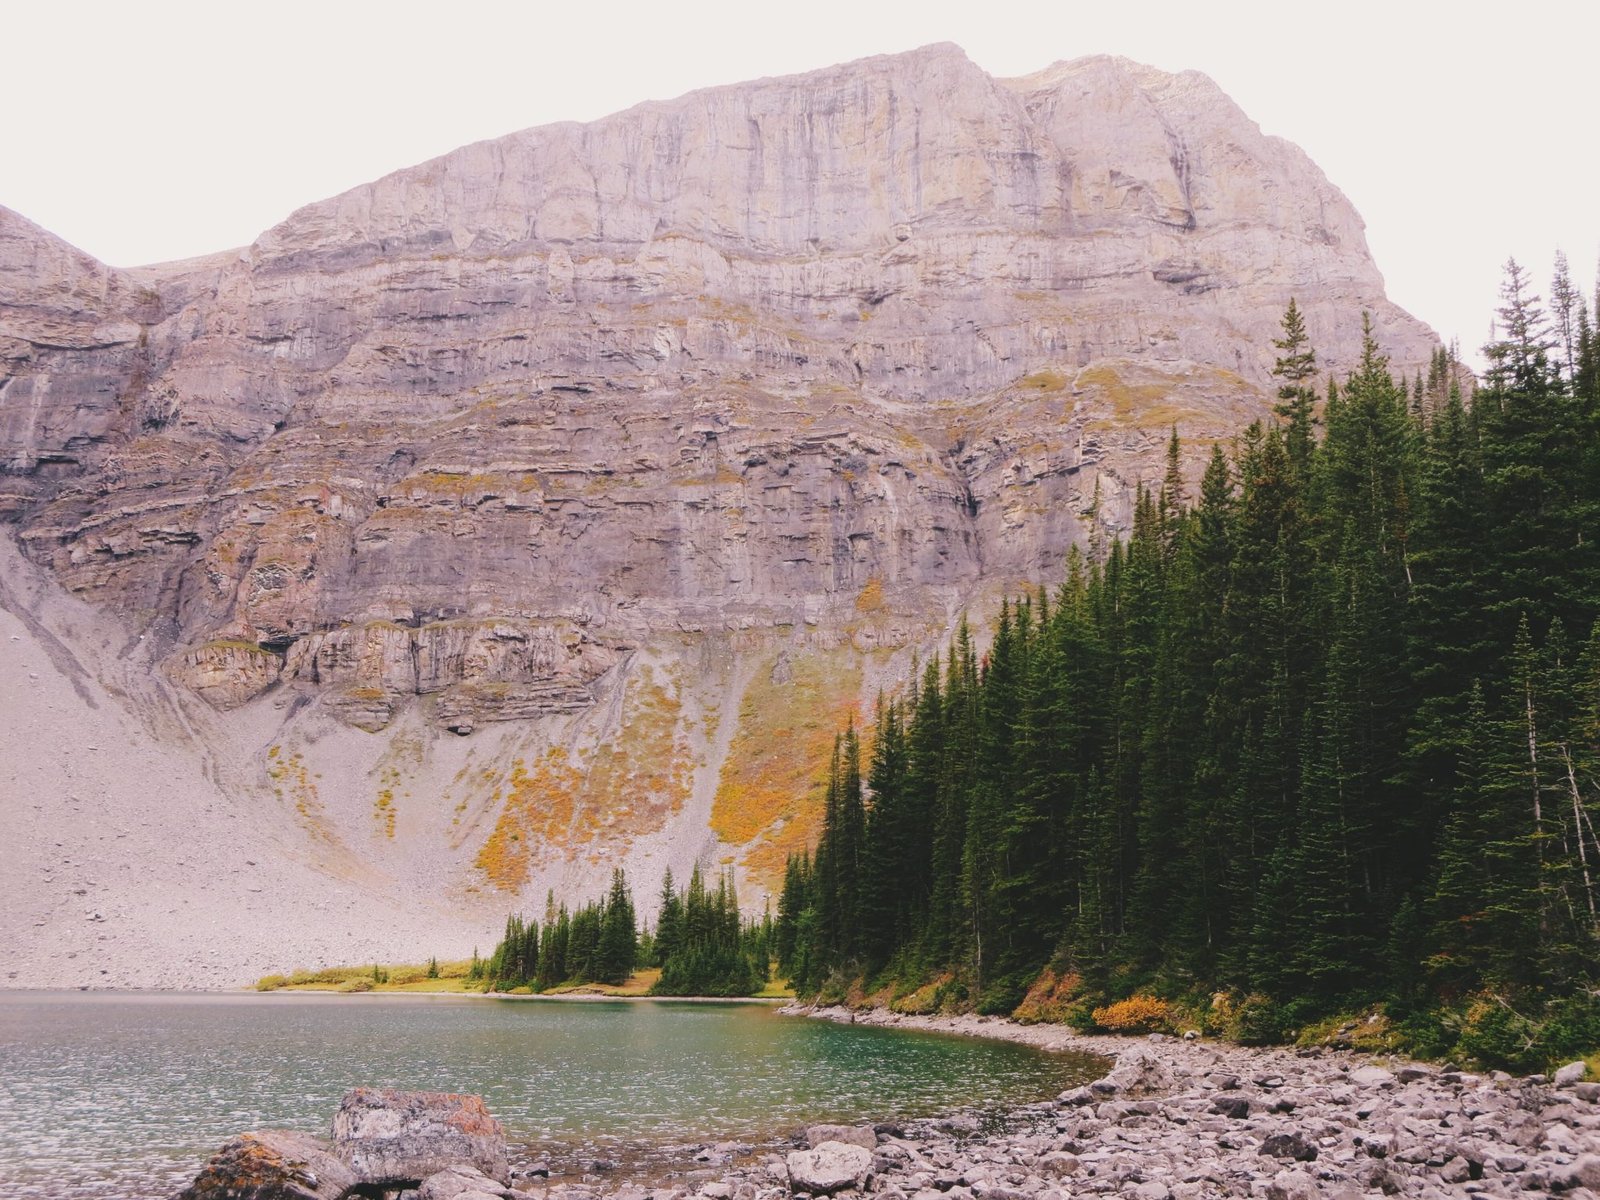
[(124, 1095)]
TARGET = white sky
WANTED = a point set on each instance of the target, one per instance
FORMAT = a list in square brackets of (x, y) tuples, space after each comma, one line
[(145, 131)]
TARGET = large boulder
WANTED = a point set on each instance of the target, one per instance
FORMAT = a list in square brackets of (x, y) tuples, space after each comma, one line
[(272, 1164), (852, 1135), (398, 1138), (828, 1168), (1137, 1073)]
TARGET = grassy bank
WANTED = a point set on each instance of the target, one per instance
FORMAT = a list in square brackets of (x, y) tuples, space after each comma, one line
[(457, 976)]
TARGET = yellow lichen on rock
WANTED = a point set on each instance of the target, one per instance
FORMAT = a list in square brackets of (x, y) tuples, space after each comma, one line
[(626, 787), (771, 792)]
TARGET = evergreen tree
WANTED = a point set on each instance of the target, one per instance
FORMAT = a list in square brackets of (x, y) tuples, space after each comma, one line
[(1297, 367), (669, 921), (617, 951)]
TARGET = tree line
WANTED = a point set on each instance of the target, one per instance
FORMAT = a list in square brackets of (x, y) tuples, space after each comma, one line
[(1326, 733), (700, 943)]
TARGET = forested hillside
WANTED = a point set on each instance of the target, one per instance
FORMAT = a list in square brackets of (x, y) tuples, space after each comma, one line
[(1324, 735)]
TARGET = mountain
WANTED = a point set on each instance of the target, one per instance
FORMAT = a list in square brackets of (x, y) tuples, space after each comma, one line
[(549, 505)]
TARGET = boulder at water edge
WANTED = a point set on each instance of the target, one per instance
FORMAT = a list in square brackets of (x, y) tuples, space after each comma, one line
[(852, 1135), (401, 1138), (830, 1167), (272, 1164)]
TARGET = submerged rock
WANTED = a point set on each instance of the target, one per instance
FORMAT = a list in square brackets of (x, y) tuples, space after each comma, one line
[(272, 1164), (401, 1138)]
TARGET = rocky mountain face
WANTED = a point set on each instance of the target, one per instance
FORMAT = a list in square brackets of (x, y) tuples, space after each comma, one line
[(642, 450)]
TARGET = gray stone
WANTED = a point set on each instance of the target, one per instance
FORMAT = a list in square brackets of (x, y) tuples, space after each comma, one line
[(828, 1168), (396, 1137), (854, 1135), (1584, 1172), (1292, 1185), (1372, 1077), (1288, 1145), (1570, 1074), (459, 1183)]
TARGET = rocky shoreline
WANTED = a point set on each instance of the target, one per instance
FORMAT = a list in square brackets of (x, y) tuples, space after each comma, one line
[(1173, 1119)]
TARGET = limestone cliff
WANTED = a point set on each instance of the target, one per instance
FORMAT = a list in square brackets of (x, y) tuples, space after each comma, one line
[(644, 448)]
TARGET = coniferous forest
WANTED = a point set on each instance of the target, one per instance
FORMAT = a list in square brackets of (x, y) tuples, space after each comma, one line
[(700, 943), (1323, 733), (1321, 736)]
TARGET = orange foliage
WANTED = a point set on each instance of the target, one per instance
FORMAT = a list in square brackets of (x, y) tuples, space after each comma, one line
[(1049, 998), (1136, 1014)]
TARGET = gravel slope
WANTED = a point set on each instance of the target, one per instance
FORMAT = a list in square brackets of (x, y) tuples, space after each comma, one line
[(130, 858)]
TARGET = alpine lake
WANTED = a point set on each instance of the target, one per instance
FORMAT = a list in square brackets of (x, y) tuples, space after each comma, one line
[(125, 1095)]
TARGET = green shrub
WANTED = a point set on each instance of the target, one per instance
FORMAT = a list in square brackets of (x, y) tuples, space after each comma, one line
[(835, 989), (1496, 1035), (1255, 1021), (1079, 1015), (1571, 1028), (1003, 995)]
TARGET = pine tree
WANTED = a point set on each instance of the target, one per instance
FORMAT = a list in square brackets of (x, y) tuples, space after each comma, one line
[(1519, 358), (617, 951), (885, 916), (669, 920), (1296, 366), (1565, 303)]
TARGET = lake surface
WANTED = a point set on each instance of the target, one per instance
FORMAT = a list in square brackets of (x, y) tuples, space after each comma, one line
[(126, 1095)]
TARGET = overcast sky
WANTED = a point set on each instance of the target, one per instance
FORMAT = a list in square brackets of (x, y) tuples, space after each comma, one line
[(156, 130)]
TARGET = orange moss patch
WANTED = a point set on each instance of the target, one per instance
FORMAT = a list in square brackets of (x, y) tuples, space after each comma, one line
[(538, 810), (1049, 998), (1150, 399), (390, 780), (626, 787), (772, 790), (871, 598), (643, 777)]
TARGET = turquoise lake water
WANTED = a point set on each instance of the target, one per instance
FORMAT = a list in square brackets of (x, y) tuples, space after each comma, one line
[(125, 1095)]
